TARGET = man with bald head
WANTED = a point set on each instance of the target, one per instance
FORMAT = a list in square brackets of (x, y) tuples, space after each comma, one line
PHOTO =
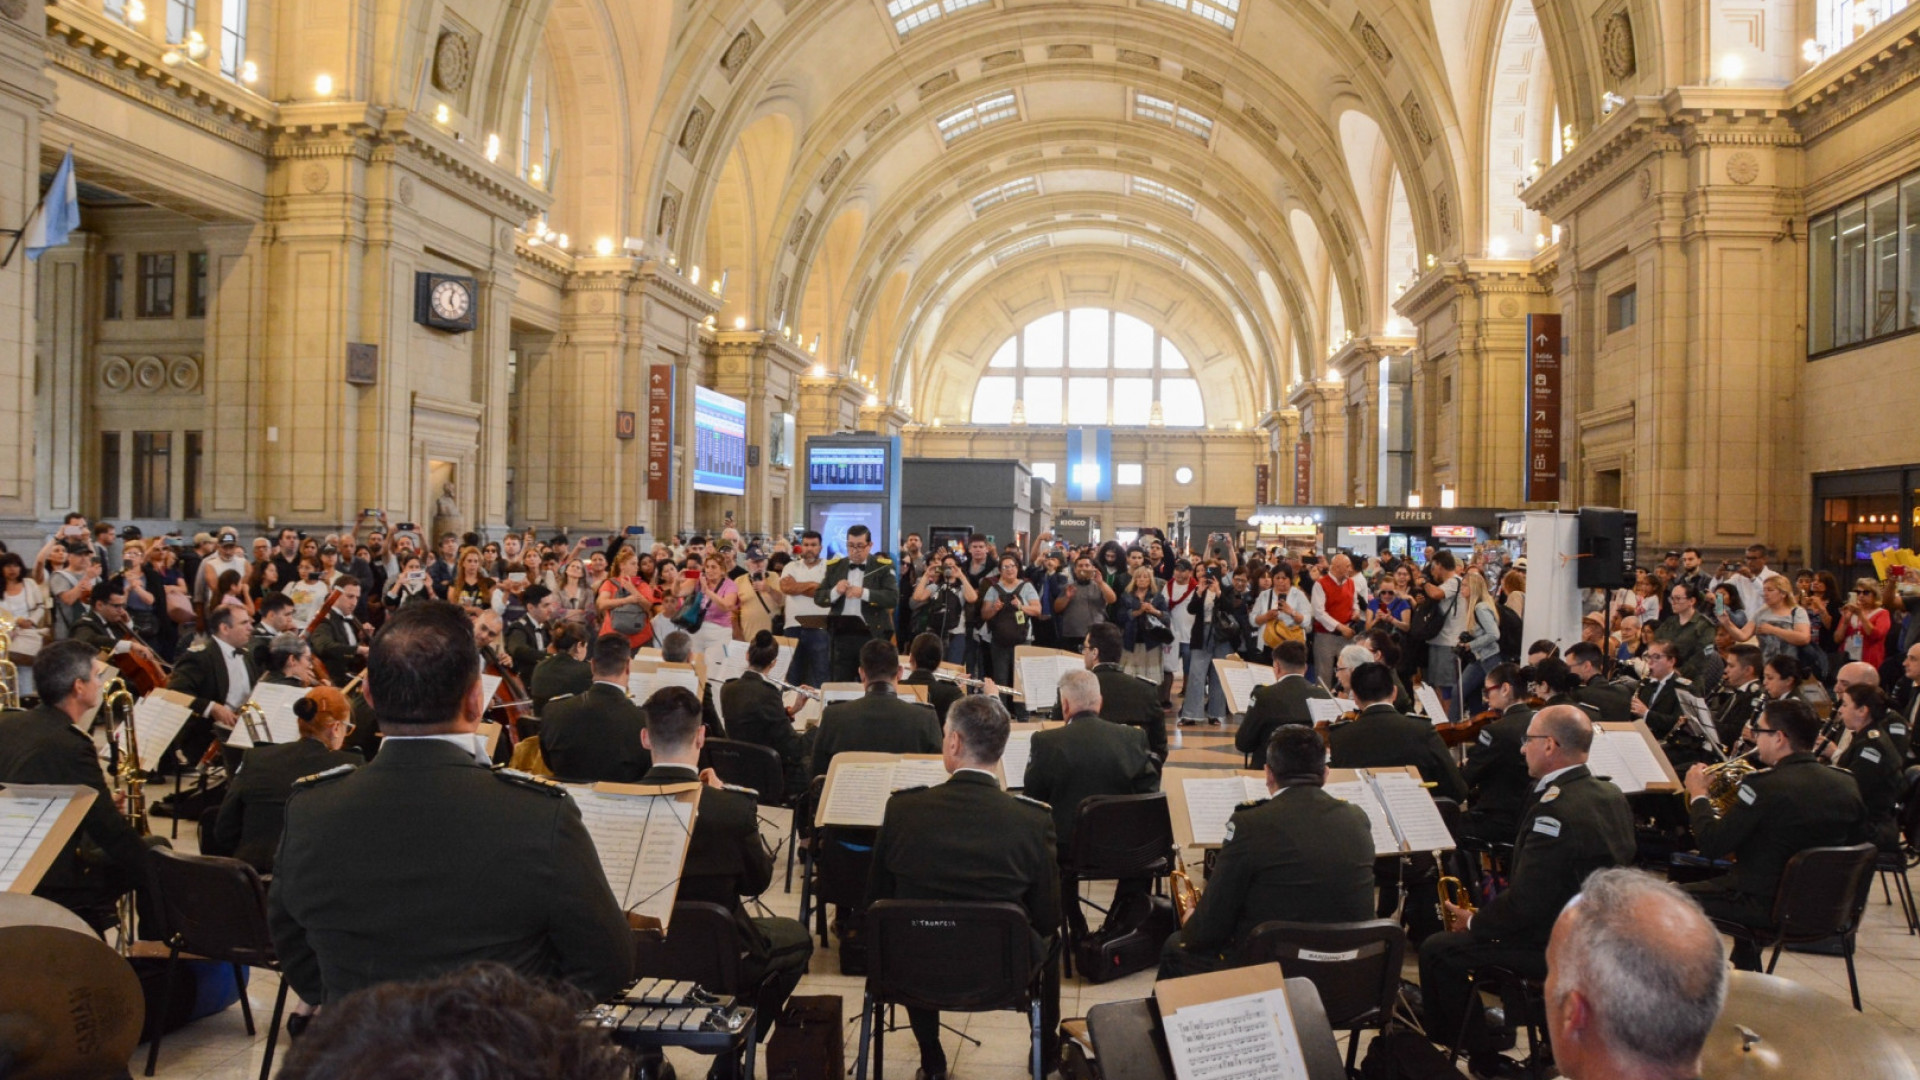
[(1574, 823), (1339, 599), (1635, 980)]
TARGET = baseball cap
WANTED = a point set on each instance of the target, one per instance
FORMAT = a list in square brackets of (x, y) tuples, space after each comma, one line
[(754, 553), (229, 538), (202, 538), (131, 532)]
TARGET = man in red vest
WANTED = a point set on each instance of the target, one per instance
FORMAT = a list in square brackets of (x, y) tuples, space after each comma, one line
[(1338, 597)]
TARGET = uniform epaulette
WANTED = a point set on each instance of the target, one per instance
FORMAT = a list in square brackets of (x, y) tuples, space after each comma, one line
[(198, 646), (1250, 804), (559, 697), (742, 789), (836, 559), (911, 789), (528, 780), (322, 777), (883, 560), (1030, 801)]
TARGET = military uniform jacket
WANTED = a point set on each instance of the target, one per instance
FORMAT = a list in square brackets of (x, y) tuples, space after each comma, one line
[(757, 713), (1614, 703), (1126, 699), (526, 642), (941, 693), (879, 722), (1380, 737), (1283, 701), (425, 861), (1877, 768), (1797, 804), (254, 810), (557, 674), (1089, 756), (337, 643), (41, 746), (725, 857), (1579, 824), (98, 632), (1737, 709), (1662, 698), (1691, 641), (880, 593), (968, 840), (1302, 855), (201, 674), (595, 735), (1496, 770)]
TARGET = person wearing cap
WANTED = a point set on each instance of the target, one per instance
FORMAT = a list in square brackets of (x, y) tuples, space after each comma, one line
[(227, 557), (254, 811), (760, 597)]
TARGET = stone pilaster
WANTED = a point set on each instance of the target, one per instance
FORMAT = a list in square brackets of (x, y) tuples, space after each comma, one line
[(1323, 422), (25, 94), (764, 371), (668, 325), (66, 461)]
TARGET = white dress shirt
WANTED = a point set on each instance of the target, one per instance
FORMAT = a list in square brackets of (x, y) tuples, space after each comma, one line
[(239, 683)]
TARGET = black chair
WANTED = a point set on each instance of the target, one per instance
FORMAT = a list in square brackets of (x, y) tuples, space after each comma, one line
[(703, 946), (950, 956), (213, 909), (1512, 987), (748, 765), (1354, 966), (1822, 894), (1114, 837), (1893, 865), (842, 860)]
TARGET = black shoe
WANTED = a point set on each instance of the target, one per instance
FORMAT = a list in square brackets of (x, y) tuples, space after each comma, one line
[(1215, 722), (1185, 722), (297, 1024), (1494, 1067), (924, 1073)]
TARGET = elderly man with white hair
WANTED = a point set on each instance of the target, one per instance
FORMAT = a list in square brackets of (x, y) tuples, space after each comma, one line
[(1088, 756)]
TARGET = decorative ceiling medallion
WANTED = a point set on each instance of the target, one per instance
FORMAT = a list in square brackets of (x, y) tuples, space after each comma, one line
[(1001, 59), (1069, 52), (116, 372), (880, 120), (183, 373), (14, 9), (938, 83), (1306, 168), (406, 191), (1262, 121), (694, 129), (1443, 211), (1371, 40), (1137, 59), (799, 230), (149, 373), (669, 217), (1743, 168), (1509, 307), (1616, 44), (452, 61), (739, 51), (1194, 78), (314, 177), (1417, 121), (833, 170), (1646, 183)]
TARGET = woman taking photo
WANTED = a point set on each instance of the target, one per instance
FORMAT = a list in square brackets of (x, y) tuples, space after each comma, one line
[(719, 599), (1482, 641), (627, 601), (410, 586), (1008, 604), (1781, 625), (1864, 623)]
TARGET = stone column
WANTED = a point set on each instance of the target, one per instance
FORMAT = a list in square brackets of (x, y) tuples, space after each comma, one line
[(1323, 420), (233, 377), (763, 371), (62, 447), (25, 93), (587, 380)]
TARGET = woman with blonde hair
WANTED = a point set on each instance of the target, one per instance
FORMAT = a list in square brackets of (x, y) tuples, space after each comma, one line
[(1481, 639), (626, 601), (1143, 612), (1781, 624), (1864, 624)]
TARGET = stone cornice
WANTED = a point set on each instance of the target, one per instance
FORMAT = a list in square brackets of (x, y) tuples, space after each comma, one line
[(1880, 64), (764, 344), (1355, 355), (668, 285), (1305, 394), (105, 52), (543, 261), (1626, 132), (513, 198)]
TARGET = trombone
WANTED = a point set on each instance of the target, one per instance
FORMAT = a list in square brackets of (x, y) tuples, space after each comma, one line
[(969, 683), (128, 776)]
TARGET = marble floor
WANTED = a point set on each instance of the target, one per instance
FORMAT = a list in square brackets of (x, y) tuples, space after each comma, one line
[(218, 1048)]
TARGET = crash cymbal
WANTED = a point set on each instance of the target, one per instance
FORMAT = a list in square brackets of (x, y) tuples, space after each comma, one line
[(20, 909), (1774, 1027), (70, 1007)]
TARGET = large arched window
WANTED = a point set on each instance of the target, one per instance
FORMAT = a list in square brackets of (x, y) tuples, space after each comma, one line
[(1088, 366)]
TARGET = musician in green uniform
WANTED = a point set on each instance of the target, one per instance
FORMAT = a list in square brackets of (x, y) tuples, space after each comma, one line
[(880, 720), (248, 827), (1657, 699), (1282, 701), (967, 839), (1382, 738), (595, 735), (757, 712), (1873, 759), (1794, 804), (1575, 823), (1301, 855), (926, 652), (1589, 665), (426, 860), (1124, 698), (1496, 767)]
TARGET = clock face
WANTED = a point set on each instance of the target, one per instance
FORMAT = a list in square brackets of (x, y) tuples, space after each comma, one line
[(451, 300)]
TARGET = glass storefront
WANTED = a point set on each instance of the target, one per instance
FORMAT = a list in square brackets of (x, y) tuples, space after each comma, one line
[(1859, 513)]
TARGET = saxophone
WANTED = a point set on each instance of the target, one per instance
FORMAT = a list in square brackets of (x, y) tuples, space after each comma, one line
[(1186, 896)]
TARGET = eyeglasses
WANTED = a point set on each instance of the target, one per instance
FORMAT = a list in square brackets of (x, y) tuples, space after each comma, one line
[(1758, 730), (1529, 737), (1863, 592)]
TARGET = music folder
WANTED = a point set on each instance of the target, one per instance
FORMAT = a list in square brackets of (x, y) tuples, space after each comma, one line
[(1630, 757), (859, 783), (1037, 672), (1231, 1025), (36, 823), (1239, 679), (641, 832), (1399, 809)]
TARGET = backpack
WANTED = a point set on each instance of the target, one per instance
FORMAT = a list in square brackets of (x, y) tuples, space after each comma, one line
[(1008, 626), (1425, 622), (1402, 1054), (940, 614), (1512, 628)]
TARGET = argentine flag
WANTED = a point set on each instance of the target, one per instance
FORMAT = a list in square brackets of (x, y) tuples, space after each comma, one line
[(59, 212)]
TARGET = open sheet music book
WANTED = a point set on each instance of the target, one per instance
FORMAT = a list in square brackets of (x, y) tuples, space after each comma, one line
[(1329, 710), (1231, 1025), (1201, 801), (811, 710), (36, 822), (643, 680), (860, 783), (276, 704), (1401, 811), (1627, 755), (1239, 679), (157, 720), (1700, 719), (1013, 762), (641, 832), (1037, 673)]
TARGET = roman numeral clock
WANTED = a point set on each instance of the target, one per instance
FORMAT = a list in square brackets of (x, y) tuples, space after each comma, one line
[(446, 301)]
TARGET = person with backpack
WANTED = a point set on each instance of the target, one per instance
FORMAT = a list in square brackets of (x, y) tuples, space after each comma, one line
[(940, 601), (1008, 605)]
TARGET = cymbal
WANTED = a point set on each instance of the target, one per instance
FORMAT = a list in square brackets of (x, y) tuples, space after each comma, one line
[(69, 1005), (1774, 1027), (22, 909)]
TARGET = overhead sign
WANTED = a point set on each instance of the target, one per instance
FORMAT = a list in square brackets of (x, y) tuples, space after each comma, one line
[(1262, 479), (660, 432), (1303, 471), (1544, 371)]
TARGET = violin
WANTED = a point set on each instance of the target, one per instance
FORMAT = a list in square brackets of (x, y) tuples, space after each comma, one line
[(511, 706), (1465, 731)]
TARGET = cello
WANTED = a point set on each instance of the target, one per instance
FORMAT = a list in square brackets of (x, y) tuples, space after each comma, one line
[(511, 705)]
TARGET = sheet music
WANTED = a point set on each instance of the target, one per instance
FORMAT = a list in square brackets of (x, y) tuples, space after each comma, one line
[(1695, 708), (1014, 759), (489, 686), (1040, 678), (276, 704), (1237, 681), (1415, 818), (157, 720), (859, 790), (1360, 794), (918, 772), (1324, 710), (1430, 703), (1210, 802), (642, 685), (1238, 1038), (726, 661), (642, 841), (25, 823), (1625, 758)]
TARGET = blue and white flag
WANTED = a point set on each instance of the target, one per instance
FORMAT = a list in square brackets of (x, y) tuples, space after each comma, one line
[(59, 212)]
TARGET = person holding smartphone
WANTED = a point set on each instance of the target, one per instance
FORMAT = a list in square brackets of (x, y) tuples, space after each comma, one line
[(410, 586)]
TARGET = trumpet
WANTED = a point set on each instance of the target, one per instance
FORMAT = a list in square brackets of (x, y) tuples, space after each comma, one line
[(1186, 895), (969, 683), (1453, 891), (1724, 780)]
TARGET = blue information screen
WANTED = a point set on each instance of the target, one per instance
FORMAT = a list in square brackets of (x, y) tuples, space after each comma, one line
[(719, 443), (847, 468)]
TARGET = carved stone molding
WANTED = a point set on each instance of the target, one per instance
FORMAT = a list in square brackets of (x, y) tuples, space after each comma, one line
[(452, 61), (1616, 45), (150, 374)]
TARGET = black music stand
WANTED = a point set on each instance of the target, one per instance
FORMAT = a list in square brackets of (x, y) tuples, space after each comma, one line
[(1129, 1044)]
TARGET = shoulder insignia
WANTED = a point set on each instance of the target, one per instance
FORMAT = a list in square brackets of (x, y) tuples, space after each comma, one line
[(323, 776), (909, 790), (1250, 804), (1486, 738), (1898, 730), (198, 646), (1552, 793), (1227, 836), (1047, 807), (883, 560), (530, 781), (836, 559), (1870, 753), (1748, 795), (1546, 826)]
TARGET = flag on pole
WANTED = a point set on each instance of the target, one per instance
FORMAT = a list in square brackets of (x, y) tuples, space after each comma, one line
[(59, 211)]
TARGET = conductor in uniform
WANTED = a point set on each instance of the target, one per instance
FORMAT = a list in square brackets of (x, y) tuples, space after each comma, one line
[(426, 860), (1496, 767), (1301, 855), (595, 735), (1574, 823), (1795, 803), (967, 839), (251, 815), (1282, 701), (880, 720), (1124, 698), (726, 859), (859, 592)]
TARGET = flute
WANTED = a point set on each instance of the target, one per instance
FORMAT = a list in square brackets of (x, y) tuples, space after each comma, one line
[(968, 683), (804, 691)]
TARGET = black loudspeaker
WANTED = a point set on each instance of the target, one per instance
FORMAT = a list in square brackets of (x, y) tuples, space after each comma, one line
[(1609, 547)]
